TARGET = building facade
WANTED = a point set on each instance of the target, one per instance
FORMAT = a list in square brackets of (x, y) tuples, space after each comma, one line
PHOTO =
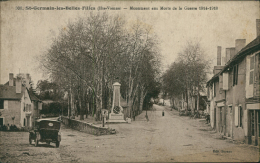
[(18, 105), (233, 92)]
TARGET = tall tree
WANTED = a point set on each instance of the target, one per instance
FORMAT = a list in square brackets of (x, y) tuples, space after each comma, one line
[(189, 73), (91, 52)]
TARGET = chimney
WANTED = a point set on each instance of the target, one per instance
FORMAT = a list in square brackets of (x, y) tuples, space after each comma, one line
[(240, 43), (28, 79), (217, 69), (227, 54), (18, 84), (219, 55), (232, 52), (11, 79), (257, 27)]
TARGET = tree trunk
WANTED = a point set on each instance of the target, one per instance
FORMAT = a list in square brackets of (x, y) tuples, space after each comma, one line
[(187, 99), (82, 107), (69, 109), (198, 98), (142, 96), (72, 103), (87, 107), (193, 103), (98, 110)]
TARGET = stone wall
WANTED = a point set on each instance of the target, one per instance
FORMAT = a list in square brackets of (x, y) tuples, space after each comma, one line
[(87, 127)]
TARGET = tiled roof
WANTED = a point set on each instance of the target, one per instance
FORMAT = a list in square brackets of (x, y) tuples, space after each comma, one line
[(9, 92), (248, 49), (32, 96), (14, 83)]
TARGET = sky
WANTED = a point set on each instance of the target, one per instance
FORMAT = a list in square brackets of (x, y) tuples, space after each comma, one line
[(26, 34)]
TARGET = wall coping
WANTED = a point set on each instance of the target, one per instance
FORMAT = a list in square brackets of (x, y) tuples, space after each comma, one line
[(90, 124)]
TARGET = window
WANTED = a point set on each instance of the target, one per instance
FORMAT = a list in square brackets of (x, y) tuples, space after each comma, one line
[(235, 74), (1, 121), (240, 118), (214, 89), (252, 61), (1, 104), (252, 65)]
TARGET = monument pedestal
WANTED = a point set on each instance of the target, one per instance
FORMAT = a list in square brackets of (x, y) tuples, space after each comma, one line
[(116, 118)]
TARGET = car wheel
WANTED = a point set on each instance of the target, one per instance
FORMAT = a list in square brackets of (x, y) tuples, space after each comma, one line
[(36, 142), (57, 144)]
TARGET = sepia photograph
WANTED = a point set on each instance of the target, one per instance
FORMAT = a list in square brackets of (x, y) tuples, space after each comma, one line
[(129, 81)]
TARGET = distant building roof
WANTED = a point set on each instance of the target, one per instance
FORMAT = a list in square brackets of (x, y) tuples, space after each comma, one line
[(9, 92), (47, 101)]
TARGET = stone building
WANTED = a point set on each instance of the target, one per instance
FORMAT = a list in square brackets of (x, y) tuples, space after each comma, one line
[(233, 91), (18, 105)]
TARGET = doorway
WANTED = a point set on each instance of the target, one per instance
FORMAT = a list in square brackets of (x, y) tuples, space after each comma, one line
[(254, 126), (28, 121)]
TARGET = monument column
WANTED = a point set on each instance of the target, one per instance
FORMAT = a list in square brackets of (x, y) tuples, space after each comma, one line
[(116, 114), (116, 96)]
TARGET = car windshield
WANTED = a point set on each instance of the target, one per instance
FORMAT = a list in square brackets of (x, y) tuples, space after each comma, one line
[(53, 125)]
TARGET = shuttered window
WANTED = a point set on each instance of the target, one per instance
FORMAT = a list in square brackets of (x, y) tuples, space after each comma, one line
[(251, 78), (225, 81), (1, 104), (5, 104), (236, 116), (252, 66), (220, 82)]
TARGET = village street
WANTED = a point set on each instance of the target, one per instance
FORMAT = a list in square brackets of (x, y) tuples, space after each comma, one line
[(168, 138)]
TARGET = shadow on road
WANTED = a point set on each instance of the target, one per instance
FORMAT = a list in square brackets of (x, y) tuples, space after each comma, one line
[(44, 145)]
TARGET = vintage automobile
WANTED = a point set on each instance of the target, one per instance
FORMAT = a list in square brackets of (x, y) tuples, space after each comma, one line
[(46, 130)]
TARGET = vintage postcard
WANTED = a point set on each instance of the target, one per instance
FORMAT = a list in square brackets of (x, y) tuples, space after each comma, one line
[(129, 81)]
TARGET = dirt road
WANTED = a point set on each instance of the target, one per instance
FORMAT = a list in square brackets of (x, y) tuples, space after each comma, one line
[(168, 138)]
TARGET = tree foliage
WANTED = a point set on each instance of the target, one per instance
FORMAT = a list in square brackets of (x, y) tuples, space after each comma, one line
[(49, 91), (90, 53), (188, 75)]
